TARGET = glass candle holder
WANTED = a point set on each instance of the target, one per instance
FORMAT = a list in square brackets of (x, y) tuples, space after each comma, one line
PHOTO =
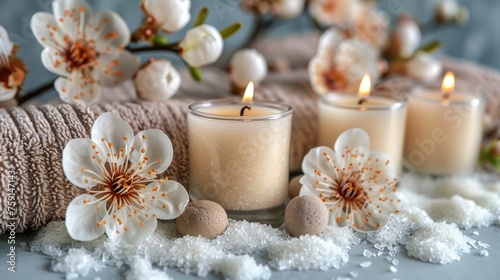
[(443, 136), (383, 118), (241, 162)]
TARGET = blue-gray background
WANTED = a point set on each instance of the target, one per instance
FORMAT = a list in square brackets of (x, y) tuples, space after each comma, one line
[(478, 41)]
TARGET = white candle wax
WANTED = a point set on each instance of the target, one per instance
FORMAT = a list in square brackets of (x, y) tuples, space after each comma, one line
[(382, 118), (443, 137), (239, 162)]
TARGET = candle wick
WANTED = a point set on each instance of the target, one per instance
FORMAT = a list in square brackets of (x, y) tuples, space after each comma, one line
[(446, 95), (362, 101), (243, 110)]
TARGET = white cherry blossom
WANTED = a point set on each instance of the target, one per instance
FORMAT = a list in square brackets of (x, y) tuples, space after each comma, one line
[(358, 186), (12, 69), (341, 63), (119, 172), (423, 67), (86, 51), (340, 13), (167, 15)]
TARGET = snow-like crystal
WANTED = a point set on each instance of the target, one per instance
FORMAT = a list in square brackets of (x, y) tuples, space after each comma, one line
[(484, 245), (379, 253), (367, 253), (307, 252), (243, 267), (242, 237), (142, 269), (463, 212), (475, 233), (342, 278), (395, 262), (76, 263), (365, 264), (439, 243), (393, 269), (484, 253), (353, 273)]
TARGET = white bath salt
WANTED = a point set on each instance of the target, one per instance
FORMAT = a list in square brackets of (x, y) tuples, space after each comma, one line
[(484, 253), (439, 243), (341, 236), (353, 273), (379, 253), (242, 268), (389, 258), (471, 189), (418, 216), (142, 269), (396, 231), (393, 269), (97, 278), (242, 237), (342, 278), (395, 262), (367, 253), (475, 233), (365, 264), (305, 253), (463, 212), (397, 249), (76, 263), (484, 245)]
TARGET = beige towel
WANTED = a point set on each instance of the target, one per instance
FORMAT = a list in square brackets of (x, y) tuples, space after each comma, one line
[(32, 138)]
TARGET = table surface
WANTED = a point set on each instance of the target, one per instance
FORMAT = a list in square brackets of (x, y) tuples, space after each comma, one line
[(471, 266)]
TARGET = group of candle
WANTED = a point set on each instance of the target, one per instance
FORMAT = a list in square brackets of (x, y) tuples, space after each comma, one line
[(239, 151)]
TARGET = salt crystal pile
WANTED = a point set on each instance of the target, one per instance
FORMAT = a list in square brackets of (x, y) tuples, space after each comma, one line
[(439, 243), (242, 237), (469, 188), (142, 269), (463, 212), (342, 236), (243, 268), (305, 253), (367, 253), (397, 231), (77, 263)]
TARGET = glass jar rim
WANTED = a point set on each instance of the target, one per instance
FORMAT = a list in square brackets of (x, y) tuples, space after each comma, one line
[(282, 110), (328, 99)]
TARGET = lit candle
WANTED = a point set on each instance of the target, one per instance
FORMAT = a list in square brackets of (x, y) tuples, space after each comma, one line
[(444, 129), (381, 117), (239, 156)]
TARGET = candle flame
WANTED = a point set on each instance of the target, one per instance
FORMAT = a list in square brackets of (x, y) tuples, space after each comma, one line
[(448, 85), (248, 97), (365, 87)]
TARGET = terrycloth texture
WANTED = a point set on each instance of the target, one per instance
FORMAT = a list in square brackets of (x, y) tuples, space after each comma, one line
[(32, 138)]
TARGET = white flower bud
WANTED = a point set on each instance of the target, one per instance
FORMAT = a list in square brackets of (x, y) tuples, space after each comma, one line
[(287, 9), (201, 46), (446, 10), (424, 67), (169, 15), (247, 65), (158, 80), (406, 37)]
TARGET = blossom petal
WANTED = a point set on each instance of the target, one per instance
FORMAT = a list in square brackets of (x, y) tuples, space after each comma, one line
[(167, 200), (316, 75), (82, 218), (79, 165), (108, 29), (338, 216), (5, 43), (77, 89), (72, 16), (132, 230), (380, 169), (54, 62), (116, 67), (47, 31), (318, 159), (330, 40), (111, 134), (153, 146), (352, 139)]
